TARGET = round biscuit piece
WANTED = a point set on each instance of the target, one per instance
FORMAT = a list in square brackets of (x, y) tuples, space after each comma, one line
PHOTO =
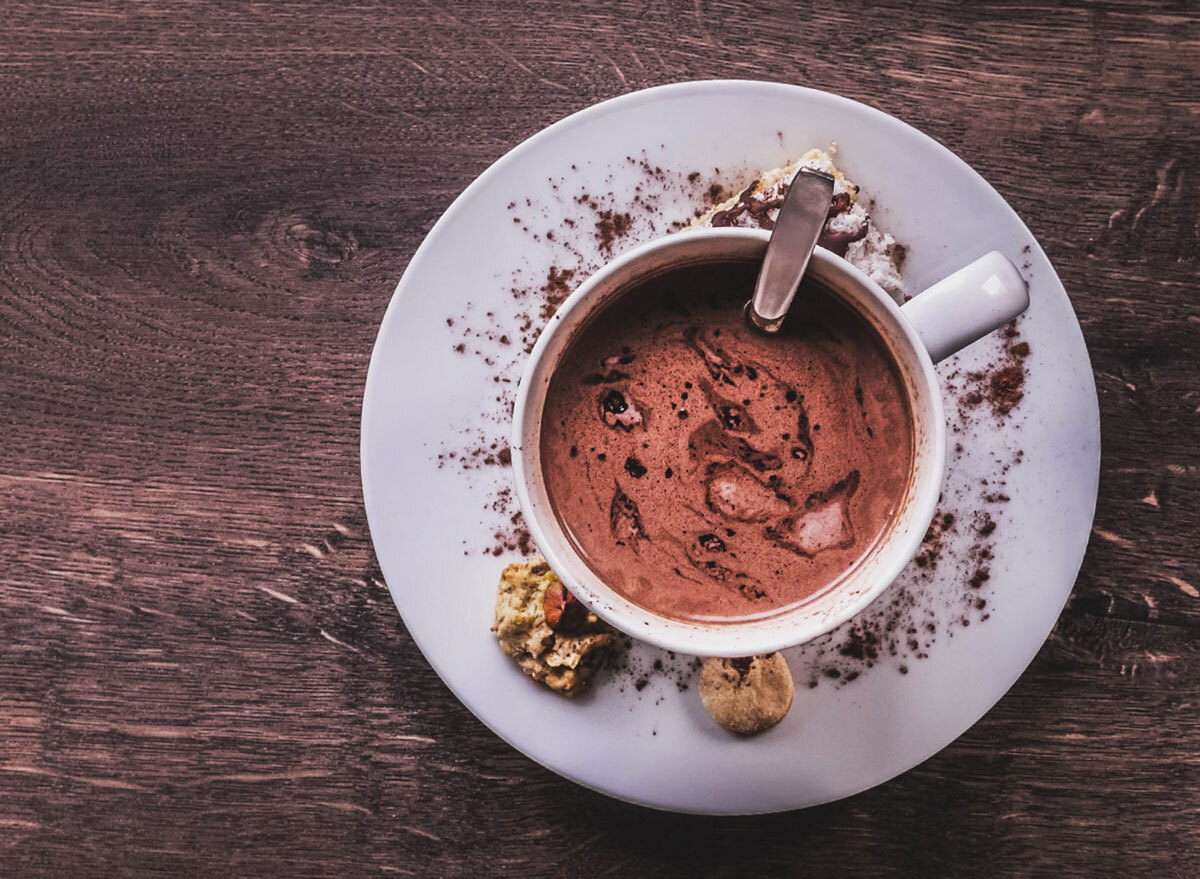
[(747, 695)]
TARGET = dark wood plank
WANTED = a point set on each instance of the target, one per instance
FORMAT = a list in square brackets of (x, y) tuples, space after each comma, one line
[(203, 212)]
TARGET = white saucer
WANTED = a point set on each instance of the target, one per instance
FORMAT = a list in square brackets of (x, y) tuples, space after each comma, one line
[(656, 745)]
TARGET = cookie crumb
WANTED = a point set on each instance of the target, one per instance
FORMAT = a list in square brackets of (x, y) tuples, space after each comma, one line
[(565, 652), (747, 695)]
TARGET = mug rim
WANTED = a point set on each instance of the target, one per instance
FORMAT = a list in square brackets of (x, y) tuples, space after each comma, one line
[(753, 635)]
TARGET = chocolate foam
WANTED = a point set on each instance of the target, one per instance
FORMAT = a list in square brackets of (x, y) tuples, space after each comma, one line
[(708, 472)]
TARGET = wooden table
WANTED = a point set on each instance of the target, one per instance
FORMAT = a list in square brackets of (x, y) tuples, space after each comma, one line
[(203, 213)]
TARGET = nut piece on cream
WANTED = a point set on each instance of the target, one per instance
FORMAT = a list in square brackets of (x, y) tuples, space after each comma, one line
[(747, 695), (552, 636)]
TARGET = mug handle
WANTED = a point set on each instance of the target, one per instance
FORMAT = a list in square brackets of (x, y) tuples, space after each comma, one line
[(967, 305)]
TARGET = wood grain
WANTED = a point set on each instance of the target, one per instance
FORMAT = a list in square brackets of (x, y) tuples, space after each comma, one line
[(203, 212)]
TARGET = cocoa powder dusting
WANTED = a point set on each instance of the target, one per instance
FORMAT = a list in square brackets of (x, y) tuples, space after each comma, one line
[(930, 552), (611, 227), (554, 291), (1003, 386)]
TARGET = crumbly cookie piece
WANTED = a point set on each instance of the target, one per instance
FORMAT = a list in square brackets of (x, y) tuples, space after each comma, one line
[(747, 695), (848, 232), (553, 637)]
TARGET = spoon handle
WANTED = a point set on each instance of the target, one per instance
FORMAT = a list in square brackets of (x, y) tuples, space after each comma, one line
[(800, 221)]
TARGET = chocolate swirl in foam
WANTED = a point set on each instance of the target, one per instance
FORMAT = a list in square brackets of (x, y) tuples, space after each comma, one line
[(707, 472)]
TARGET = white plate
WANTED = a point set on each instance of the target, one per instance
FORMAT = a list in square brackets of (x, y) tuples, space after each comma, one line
[(656, 745)]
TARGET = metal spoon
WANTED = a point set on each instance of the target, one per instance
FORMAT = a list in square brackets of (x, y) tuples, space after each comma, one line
[(801, 218)]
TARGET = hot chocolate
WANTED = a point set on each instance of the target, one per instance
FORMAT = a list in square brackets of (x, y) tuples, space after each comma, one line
[(708, 472)]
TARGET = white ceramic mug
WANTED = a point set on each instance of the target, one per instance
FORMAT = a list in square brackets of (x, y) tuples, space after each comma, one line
[(948, 316)]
